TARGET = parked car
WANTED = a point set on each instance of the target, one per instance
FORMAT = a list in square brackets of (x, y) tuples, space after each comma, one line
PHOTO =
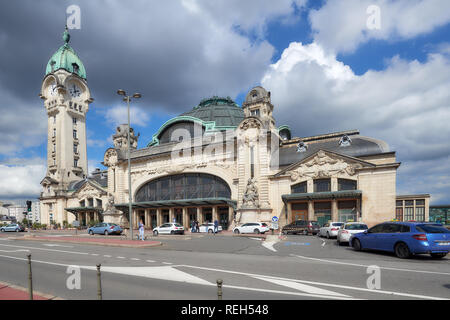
[(208, 227), (301, 226), (330, 230), (405, 239), (105, 228), (348, 229), (169, 228), (12, 227), (252, 227)]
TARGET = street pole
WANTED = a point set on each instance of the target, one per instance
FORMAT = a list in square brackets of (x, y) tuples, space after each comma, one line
[(30, 278), (130, 210), (99, 283)]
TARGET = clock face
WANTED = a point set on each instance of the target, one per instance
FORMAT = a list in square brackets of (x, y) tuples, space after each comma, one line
[(52, 89), (74, 90)]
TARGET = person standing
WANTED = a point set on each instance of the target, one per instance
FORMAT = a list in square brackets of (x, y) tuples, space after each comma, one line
[(197, 229), (216, 226), (141, 230)]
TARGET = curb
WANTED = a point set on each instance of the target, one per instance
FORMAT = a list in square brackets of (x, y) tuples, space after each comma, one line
[(35, 293), (94, 243)]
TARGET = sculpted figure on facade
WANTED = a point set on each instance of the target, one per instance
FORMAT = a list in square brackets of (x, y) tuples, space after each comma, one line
[(120, 138), (251, 196)]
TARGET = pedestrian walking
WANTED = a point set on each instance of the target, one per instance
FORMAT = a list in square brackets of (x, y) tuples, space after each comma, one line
[(216, 226), (197, 229), (141, 230), (192, 226)]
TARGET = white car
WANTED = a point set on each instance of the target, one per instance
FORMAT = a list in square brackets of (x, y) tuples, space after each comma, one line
[(348, 229), (252, 227), (169, 228), (330, 230), (208, 227)]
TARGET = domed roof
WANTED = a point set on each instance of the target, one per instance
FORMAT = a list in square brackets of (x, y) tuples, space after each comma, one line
[(223, 111), (66, 58)]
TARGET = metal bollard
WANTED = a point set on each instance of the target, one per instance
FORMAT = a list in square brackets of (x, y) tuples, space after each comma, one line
[(219, 289), (99, 283), (30, 278)]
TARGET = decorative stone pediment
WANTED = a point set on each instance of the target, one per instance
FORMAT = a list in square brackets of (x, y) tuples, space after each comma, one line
[(111, 157), (88, 190), (325, 165), (250, 123)]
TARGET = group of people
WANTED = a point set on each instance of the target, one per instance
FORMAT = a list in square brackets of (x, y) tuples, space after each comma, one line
[(195, 226)]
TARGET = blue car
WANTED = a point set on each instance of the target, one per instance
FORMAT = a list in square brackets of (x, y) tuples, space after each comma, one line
[(405, 239), (105, 228)]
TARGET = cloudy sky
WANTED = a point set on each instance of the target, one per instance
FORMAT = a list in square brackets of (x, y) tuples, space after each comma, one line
[(330, 65)]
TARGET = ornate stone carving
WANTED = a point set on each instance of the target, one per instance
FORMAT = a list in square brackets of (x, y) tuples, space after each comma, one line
[(251, 195), (120, 138), (324, 166), (111, 158), (250, 123)]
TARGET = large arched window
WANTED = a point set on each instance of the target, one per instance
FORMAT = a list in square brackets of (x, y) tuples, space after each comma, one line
[(184, 186), (181, 130)]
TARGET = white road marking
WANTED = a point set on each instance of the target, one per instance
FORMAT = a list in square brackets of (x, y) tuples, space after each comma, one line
[(167, 263), (56, 245), (365, 266), (320, 283), (151, 261), (107, 256), (165, 275), (269, 245), (53, 250), (162, 273), (120, 257), (135, 259), (302, 287), (20, 250), (94, 254), (259, 239), (323, 243)]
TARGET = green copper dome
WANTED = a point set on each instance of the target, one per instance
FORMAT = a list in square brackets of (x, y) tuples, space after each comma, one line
[(65, 58)]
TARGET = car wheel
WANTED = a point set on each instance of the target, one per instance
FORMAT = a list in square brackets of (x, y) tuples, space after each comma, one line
[(3, 230), (328, 235), (106, 232), (155, 232), (210, 231), (256, 231), (236, 231), (305, 232), (357, 245), (437, 255), (91, 232), (172, 232), (402, 251)]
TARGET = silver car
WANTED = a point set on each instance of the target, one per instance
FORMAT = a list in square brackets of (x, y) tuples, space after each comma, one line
[(346, 231)]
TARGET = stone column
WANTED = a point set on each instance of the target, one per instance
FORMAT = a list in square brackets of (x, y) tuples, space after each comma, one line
[(199, 215), (230, 217), (148, 223), (158, 217), (289, 215), (310, 210), (214, 214), (334, 210), (171, 214), (185, 218)]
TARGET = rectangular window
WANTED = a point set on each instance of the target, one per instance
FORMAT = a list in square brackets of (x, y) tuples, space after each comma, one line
[(74, 121), (399, 214), (347, 211), (54, 147), (322, 185), (252, 162), (420, 202), (74, 134), (75, 148), (54, 132), (420, 213), (299, 188), (399, 203), (75, 163), (322, 212), (409, 213), (345, 184), (255, 113)]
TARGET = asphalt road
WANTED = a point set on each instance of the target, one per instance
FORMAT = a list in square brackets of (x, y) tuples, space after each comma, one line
[(187, 267)]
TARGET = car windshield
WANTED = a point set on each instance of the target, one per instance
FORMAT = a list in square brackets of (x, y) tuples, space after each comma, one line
[(314, 223), (432, 228), (337, 224), (356, 227), (264, 224), (177, 225)]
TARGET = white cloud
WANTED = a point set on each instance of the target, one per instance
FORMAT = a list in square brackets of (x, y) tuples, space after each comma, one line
[(119, 115), (341, 26), (19, 181), (407, 104)]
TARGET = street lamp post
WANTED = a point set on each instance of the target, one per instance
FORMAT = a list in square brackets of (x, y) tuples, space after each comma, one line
[(127, 99)]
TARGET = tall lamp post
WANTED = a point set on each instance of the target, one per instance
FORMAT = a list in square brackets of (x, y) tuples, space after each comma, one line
[(127, 99)]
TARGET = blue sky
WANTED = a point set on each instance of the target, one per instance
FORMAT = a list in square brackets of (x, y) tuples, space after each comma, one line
[(314, 56)]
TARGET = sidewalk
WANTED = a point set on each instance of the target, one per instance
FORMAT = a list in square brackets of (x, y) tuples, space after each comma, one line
[(113, 242), (12, 292)]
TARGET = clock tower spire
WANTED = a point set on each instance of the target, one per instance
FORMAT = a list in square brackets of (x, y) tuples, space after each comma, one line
[(66, 97)]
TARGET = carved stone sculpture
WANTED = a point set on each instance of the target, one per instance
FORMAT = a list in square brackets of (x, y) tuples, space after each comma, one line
[(251, 196)]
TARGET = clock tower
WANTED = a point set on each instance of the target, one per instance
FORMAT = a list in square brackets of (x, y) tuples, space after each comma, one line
[(66, 97)]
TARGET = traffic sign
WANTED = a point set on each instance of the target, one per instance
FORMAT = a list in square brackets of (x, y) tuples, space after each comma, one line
[(274, 218)]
